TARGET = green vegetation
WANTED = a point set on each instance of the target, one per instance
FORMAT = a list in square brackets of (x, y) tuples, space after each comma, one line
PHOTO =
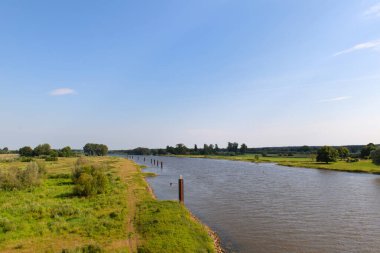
[(309, 161), (45, 151), (366, 151), (49, 217), (89, 179), (91, 149), (375, 156), (162, 223), (327, 154)]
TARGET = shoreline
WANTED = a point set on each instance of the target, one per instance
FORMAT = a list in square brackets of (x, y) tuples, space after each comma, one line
[(358, 167), (213, 235)]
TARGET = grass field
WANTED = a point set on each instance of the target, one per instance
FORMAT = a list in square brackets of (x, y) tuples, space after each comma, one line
[(364, 166), (49, 218)]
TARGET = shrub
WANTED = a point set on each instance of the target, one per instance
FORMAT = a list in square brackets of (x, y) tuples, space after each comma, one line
[(26, 159), (375, 156), (352, 160), (6, 225), (17, 179), (89, 179)]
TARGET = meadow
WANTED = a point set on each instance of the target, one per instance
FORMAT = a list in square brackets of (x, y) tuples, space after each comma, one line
[(363, 166), (126, 218)]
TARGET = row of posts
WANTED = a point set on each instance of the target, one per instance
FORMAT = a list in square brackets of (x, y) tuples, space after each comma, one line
[(181, 193)]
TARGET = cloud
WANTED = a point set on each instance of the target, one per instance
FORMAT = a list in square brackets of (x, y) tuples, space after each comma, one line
[(374, 44), (62, 92), (336, 99), (373, 11)]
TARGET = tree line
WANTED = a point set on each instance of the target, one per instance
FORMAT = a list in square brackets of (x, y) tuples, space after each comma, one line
[(329, 154), (326, 154), (45, 150)]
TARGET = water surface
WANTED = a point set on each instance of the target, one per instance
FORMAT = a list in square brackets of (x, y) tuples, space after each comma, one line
[(270, 208)]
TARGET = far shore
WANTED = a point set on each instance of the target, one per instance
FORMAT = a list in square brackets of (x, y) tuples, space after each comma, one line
[(362, 166)]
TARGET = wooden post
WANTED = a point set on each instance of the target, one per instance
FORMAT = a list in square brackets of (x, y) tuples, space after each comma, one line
[(180, 190), (161, 165)]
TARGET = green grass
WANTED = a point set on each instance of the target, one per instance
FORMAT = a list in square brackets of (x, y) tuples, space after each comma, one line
[(364, 166), (168, 227), (49, 218)]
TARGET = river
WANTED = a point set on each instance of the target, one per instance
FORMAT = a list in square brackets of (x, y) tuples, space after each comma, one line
[(269, 208)]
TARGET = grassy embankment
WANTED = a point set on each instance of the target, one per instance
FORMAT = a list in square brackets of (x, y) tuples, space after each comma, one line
[(365, 166), (49, 218)]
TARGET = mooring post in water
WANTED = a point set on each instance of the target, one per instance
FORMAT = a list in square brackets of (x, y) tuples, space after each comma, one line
[(161, 165), (144, 159), (180, 190)]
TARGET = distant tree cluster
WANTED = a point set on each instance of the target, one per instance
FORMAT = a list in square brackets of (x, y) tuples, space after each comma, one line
[(92, 149), (366, 150), (46, 151), (4, 150), (325, 154)]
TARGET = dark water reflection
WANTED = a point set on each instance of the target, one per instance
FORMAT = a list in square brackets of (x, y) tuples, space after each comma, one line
[(270, 208)]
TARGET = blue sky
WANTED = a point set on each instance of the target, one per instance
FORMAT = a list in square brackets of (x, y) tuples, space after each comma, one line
[(157, 73)]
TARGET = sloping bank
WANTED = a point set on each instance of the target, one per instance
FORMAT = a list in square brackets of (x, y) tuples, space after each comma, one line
[(166, 226), (48, 217)]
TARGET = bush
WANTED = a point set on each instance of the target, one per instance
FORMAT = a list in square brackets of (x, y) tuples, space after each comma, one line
[(17, 179), (89, 179), (26, 159), (352, 160), (375, 156), (6, 225)]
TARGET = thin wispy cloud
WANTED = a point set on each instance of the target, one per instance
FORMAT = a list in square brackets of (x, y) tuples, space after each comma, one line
[(374, 44), (62, 92), (373, 11), (336, 99)]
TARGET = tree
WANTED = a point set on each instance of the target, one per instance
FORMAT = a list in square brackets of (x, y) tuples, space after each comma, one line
[(141, 151), (26, 151), (232, 147), (42, 149), (195, 148), (243, 148), (216, 148), (206, 149), (66, 152), (304, 149), (343, 152), (366, 151), (375, 156), (180, 149), (92, 149), (327, 154)]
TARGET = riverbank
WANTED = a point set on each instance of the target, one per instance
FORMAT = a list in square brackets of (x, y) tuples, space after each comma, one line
[(362, 166), (48, 218)]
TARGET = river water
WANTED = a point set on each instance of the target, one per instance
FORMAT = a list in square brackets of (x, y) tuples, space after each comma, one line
[(270, 208)]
